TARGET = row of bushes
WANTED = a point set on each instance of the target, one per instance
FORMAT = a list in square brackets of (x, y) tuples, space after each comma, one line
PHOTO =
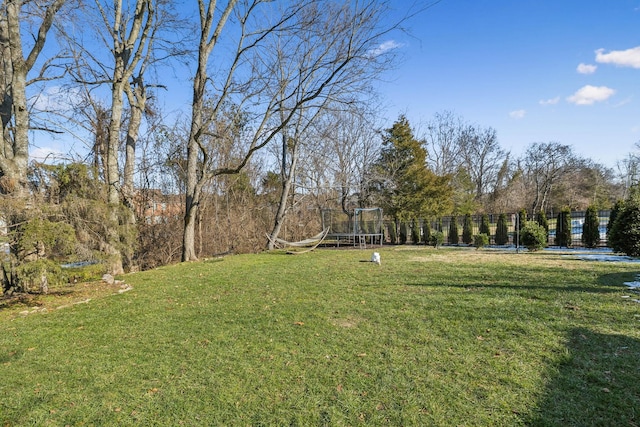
[(424, 231), (623, 229)]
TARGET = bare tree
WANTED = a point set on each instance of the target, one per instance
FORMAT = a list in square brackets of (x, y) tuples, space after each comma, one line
[(352, 142), (482, 157), (544, 166), (128, 39), (340, 38), (629, 171), (442, 139), (14, 111)]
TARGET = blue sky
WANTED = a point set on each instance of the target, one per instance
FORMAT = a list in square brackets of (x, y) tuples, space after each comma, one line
[(566, 71)]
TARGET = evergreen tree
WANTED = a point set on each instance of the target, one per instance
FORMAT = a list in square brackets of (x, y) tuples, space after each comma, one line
[(533, 236), (403, 233), (541, 219), (426, 232), (617, 207), (502, 232), (563, 228), (393, 234), (625, 232), (467, 229), (485, 228), (453, 231), (591, 228), (405, 188), (522, 220), (415, 232)]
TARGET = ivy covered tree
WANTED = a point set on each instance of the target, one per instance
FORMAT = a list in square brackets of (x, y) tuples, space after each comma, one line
[(467, 229), (454, 239), (401, 183), (563, 228), (591, 228), (502, 231)]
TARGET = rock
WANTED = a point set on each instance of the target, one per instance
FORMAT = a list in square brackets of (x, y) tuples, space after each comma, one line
[(108, 279)]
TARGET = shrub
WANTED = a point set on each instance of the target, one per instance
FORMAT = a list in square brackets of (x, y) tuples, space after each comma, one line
[(44, 238), (625, 232), (591, 228), (437, 238), (563, 228), (533, 236), (467, 230), (82, 272), (453, 231), (480, 240), (502, 232), (36, 276)]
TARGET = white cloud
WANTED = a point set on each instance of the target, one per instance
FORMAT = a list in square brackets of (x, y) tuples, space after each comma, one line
[(586, 68), (588, 95), (42, 154), (385, 47), (517, 114), (552, 101), (55, 98), (622, 58)]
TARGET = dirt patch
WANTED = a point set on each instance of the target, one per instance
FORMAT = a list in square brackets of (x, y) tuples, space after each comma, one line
[(58, 298), (348, 322)]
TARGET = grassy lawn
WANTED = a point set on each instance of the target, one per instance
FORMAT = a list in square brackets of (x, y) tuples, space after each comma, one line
[(448, 337)]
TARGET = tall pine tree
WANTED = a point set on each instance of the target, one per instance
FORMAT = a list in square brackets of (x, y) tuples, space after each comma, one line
[(591, 228), (400, 181), (502, 232), (467, 229)]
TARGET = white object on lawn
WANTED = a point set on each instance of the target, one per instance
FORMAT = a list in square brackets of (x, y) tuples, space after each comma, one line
[(375, 257)]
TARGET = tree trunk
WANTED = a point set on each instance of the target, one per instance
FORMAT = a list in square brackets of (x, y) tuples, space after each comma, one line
[(192, 197), (287, 179), (209, 34), (14, 153), (14, 157)]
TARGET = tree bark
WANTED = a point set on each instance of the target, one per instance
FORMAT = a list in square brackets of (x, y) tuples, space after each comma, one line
[(14, 156)]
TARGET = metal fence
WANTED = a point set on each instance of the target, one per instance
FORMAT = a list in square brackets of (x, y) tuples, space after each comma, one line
[(443, 224)]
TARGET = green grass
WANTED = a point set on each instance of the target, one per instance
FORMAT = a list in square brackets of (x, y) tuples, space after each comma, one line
[(444, 337)]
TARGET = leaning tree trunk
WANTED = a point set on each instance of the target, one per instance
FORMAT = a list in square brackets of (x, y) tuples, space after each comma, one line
[(287, 179)]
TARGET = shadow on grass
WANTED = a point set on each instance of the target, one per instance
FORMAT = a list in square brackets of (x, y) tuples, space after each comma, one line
[(474, 286), (598, 384), (608, 283), (615, 279)]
